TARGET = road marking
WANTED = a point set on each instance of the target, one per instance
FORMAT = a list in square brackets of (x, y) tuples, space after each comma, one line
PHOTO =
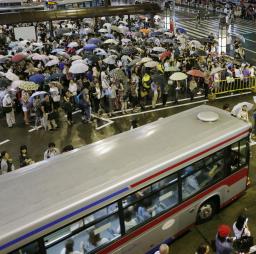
[(176, 106), (5, 141), (104, 119), (36, 128)]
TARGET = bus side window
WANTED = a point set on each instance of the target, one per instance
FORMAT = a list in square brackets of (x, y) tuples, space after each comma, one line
[(32, 248), (243, 152), (233, 159), (91, 237)]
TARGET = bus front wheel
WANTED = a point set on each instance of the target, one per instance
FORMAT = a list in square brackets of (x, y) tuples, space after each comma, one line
[(206, 211)]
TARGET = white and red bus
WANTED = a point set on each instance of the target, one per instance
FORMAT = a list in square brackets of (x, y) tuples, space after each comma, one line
[(130, 192)]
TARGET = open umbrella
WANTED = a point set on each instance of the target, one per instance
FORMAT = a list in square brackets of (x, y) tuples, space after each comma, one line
[(178, 76), (15, 84), (56, 76), (78, 68), (73, 44), (238, 107), (110, 41), (94, 41), (100, 52), (78, 61), (216, 70), (145, 30), (4, 82), (109, 36), (103, 30), (159, 49), (35, 94), (151, 64), (11, 76), (75, 57), (196, 73), (58, 50), (109, 60), (52, 63), (165, 55), (129, 51), (3, 59), (37, 78), (144, 60), (125, 40), (90, 47), (28, 86), (195, 43), (157, 33), (18, 57), (117, 74)]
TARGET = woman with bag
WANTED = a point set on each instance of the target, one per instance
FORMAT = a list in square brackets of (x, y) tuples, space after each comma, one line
[(243, 240)]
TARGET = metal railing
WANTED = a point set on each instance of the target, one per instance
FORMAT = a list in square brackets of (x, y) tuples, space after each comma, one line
[(231, 85)]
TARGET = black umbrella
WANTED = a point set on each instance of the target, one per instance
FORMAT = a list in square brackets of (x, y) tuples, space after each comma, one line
[(55, 77), (4, 82), (129, 51)]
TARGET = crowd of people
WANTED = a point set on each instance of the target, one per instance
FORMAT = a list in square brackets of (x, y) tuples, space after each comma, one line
[(105, 67)]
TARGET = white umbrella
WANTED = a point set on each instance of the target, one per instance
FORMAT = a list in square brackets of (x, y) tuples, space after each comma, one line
[(73, 44), (64, 54), (110, 41), (178, 76), (38, 57), (109, 60), (125, 40), (52, 63), (108, 26), (15, 84), (52, 57), (151, 64), (144, 60), (100, 52), (159, 49), (78, 68), (103, 30), (79, 51), (75, 57), (216, 70), (196, 43), (11, 76), (79, 61), (238, 107)]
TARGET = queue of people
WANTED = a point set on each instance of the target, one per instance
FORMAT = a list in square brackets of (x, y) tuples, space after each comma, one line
[(7, 164), (107, 66)]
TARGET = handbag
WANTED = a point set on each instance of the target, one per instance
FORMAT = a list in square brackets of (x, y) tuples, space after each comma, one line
[(243, 244), (7, 110)]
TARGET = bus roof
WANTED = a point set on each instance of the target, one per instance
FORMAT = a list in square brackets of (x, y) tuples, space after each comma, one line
[(31, 194)]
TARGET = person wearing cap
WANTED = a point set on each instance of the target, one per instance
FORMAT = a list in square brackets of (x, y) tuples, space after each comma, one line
[(223, 242)]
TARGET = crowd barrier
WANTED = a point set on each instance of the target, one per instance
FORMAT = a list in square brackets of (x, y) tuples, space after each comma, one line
[(232, 85)]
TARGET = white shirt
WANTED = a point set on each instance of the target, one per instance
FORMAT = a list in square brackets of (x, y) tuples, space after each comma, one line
[(7, 101), (72, 88), (51, 153), (238, 233)]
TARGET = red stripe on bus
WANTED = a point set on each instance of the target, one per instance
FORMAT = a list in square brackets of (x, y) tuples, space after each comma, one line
[(186, 160), (228, 181)]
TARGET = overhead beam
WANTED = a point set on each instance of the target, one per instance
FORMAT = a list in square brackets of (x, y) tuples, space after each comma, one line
[(40, 16)]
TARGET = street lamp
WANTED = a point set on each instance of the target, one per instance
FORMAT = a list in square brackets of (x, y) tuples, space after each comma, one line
[(223, 34)]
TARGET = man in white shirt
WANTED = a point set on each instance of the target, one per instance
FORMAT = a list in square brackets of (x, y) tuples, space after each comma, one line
[(8, 110), (51, 152)]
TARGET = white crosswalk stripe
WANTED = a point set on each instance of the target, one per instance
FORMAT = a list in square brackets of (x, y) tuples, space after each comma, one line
[(207, 26)]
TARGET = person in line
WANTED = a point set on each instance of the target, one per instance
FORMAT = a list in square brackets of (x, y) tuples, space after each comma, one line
[(25, 160), (8, 110), (95, 240), (67, 105), (69, 248), (243, 114), (67, 148), (203, 249), (163, 249), (51, 152), (6, 164), (240, 227), (223, 242), (48, 113)]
